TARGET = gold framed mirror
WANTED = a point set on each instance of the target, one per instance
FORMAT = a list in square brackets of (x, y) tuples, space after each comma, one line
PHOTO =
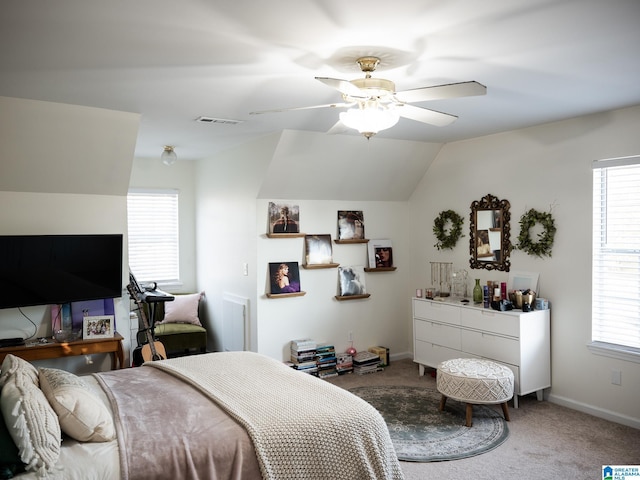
[(489, 243)]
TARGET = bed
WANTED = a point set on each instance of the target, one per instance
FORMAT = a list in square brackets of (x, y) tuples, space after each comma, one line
[(235, 415)]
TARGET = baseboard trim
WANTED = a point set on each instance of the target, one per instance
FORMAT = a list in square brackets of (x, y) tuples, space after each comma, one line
[(400, 356), (595, 411)]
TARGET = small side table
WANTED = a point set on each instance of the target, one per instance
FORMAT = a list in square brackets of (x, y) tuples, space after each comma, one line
[(53, 349)]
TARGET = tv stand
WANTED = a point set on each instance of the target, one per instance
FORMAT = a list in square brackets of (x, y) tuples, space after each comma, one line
[(52, 349)]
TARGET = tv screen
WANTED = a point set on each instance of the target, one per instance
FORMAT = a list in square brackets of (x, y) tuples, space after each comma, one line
[(56, 269)]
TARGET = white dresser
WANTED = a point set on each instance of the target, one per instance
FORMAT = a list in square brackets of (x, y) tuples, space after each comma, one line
[(519, 340)]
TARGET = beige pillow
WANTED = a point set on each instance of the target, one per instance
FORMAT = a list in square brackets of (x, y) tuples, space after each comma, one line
[(184, 309), (11, 365), (81, 413), (32, 423)]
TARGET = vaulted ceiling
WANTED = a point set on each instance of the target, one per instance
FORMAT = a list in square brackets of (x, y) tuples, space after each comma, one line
[(172, 62)]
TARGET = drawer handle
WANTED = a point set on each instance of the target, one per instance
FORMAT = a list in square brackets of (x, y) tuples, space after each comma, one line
[(489, 314)]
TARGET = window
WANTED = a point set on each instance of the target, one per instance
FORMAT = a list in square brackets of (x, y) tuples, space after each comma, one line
[(153, 235), (616, 258)]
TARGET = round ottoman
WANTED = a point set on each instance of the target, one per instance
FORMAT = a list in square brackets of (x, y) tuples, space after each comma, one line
[(475, 381)]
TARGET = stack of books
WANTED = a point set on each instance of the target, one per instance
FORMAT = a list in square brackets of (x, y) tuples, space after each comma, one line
[(366, 362), (383, 353), (344, 363), (326, 360), (303, 355)]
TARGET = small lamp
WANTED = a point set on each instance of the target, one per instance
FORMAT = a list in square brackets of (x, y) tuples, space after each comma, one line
[(168, 156)]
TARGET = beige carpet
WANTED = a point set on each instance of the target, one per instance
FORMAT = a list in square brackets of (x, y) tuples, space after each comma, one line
[(545, 441)]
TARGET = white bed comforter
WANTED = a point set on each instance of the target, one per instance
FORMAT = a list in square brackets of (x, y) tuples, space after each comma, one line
[(302, 427)]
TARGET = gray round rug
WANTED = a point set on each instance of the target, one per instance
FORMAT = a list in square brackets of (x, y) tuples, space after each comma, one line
[(421, 433)]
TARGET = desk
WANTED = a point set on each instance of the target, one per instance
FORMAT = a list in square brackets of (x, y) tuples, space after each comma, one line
[(53, 349)]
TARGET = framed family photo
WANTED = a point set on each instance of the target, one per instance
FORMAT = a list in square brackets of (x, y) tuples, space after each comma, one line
[(101, 326)]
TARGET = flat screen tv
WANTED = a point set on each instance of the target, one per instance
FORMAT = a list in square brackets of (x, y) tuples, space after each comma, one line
[(56, 269)]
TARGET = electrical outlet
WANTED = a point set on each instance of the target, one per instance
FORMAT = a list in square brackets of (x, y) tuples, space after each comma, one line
[(245, 269), (350, 337), (616, 377)]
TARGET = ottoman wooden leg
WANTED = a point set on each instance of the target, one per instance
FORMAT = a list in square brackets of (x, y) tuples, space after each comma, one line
[(469, 415), (505, 411), (443, 400)]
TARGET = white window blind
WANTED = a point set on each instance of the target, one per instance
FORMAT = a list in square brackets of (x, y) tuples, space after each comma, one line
[(153, 235), (616, 253)]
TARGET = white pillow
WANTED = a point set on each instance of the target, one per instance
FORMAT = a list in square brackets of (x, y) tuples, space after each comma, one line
[(81, 413), (11, 365), (184, 309), (32, 423)]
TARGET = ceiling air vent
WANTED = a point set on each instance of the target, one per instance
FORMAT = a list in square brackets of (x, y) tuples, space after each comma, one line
[(225, 121)]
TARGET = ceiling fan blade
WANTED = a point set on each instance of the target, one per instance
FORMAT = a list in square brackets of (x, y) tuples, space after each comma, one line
[(326, 105), (343, 86), (425, 115), (440, 92)]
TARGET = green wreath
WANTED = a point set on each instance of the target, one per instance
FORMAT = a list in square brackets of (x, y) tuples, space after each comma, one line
[(545, 239), (447, 240)]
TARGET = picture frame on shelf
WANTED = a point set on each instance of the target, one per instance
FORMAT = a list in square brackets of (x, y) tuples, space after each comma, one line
[(380, 253), (352, 280), (284, 277), (284, 218), (350, 225), (318, 250), (98, 326)]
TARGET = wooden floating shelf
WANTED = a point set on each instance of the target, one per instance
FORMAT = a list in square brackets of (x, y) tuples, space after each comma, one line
[(352, 240), (314, 266), (285, 295), (381, 269), (340, 298), (285, 235)]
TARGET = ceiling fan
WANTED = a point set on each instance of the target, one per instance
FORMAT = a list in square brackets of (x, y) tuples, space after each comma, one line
[(373, 103)]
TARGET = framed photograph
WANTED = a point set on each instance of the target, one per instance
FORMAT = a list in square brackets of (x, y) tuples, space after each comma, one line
[(284, 277), (90, 308), (318, 250), (350, 225), (101, 326), (284, 218), (380, 253), (352, 280)]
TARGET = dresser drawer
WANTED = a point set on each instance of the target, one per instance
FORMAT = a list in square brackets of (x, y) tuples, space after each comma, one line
[(438, 333), (490, 346), (491, 321), (430, 355), (436, 311)]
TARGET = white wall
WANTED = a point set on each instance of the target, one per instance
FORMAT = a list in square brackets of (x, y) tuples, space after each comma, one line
[(227, 187), (546, 168), (377, 320)]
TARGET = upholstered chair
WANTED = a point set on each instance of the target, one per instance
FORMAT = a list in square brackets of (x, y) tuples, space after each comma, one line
[(177, 325)]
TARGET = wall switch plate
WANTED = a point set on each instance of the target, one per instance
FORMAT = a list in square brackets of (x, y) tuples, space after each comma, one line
[(616, 377)]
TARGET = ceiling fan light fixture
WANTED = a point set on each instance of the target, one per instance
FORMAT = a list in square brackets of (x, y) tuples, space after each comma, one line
[(168, 156), (369, 119)]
